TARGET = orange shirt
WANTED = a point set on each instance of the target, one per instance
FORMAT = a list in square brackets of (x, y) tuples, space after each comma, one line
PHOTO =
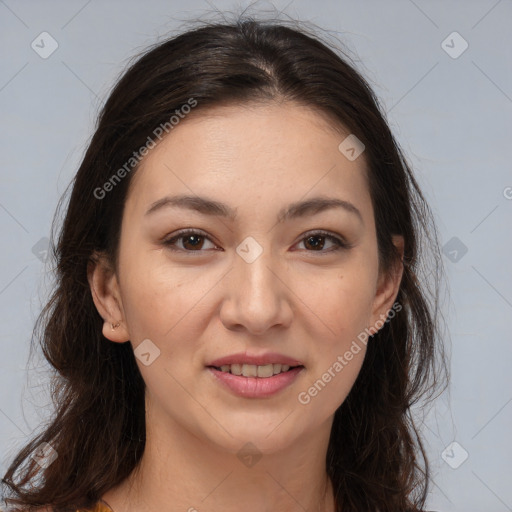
[(99, 507)]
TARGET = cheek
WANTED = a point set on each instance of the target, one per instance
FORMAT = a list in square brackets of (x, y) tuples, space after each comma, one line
[(155, 294), (159, 300), (340, 300), (166, 306), (340, 349), (342, 309)]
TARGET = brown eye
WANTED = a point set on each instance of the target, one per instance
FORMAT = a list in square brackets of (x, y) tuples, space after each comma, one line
[(192, 241), (316, 242)]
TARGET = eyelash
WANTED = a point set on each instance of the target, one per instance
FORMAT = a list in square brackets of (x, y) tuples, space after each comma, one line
[(339, 242)]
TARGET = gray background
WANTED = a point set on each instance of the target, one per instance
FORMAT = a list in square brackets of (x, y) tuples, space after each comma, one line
[(451, 115)]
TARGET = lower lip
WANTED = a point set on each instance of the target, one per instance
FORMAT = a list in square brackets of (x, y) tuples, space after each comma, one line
[(256, 387)]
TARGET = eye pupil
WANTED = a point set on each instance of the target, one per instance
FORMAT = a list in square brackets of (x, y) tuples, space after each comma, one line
[(188, 238), (318, 245)]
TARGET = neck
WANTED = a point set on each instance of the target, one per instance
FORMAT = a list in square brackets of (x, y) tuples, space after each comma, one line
[(190, 473)]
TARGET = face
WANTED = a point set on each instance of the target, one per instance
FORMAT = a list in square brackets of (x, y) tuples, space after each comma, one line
[(258, 271)]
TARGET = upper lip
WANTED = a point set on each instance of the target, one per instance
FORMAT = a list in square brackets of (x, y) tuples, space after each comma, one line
[(256, 359)]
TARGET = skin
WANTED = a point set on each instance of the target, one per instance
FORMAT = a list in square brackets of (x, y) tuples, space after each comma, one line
[(206, 303)]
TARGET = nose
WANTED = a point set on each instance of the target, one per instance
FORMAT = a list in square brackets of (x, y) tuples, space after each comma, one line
[(257, 296)]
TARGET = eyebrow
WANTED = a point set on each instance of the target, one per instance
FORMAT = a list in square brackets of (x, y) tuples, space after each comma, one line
[(215, 208)]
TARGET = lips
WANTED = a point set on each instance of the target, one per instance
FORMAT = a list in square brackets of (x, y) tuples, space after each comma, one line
[(255, 375), (256, 387)]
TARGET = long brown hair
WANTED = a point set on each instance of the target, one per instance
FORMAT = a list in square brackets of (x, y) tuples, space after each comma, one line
[(375, 457)]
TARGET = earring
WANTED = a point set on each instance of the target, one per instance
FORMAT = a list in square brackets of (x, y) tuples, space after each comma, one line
[(114, 327)]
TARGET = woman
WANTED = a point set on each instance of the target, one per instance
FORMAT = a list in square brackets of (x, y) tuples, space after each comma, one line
[(239, 317)]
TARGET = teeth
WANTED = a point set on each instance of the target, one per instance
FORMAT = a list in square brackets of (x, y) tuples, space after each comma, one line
[(252, 370), (266, 371), (236, 369), (249, 370)]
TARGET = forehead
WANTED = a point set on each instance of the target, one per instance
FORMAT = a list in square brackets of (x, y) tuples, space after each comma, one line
[(265, 151)]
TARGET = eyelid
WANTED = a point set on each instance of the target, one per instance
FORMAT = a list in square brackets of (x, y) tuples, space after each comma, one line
[(183, 232), (339, 241)]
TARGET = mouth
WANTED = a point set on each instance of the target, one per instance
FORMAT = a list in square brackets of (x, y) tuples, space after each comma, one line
[(255, 381), (252, 370), (251, 375)]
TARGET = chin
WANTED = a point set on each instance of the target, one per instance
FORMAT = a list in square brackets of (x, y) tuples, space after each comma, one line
[(261, 436)]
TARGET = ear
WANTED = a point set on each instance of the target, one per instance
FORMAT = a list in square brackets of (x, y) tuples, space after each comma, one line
[(387, 288), (107, 298)]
